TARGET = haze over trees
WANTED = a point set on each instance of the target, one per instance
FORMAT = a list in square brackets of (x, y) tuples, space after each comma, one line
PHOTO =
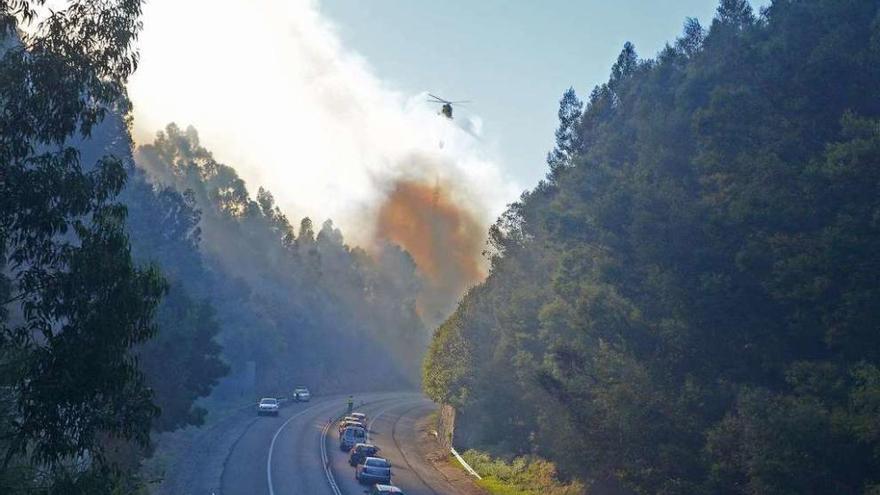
[(689, 302), (127, 296), (297, 303)]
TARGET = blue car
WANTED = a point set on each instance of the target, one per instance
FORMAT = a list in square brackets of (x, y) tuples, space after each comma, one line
[(374, 470)]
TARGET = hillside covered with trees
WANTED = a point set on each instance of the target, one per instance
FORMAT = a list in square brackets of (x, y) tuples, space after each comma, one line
[(689, 302), (298, 304), (136, 283)]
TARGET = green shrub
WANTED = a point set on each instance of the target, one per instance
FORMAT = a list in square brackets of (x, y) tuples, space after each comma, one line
[(527, 475)]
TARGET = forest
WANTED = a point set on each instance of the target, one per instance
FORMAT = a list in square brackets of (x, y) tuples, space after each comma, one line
[(688, 303), (140, 285)]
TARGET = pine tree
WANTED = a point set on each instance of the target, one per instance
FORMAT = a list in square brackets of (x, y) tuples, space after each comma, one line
[(692, 40), (626, 64), (567, 143), (306, 236), (735, 13)]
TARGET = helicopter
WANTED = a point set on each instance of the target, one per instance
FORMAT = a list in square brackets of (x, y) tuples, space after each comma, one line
[(446, 105)]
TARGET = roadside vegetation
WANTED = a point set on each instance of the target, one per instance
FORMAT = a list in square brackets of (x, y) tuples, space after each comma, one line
[(689, 303), (520, 476)]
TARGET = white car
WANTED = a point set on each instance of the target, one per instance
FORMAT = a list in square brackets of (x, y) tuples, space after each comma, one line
[(301, 394), (268, 406), (383, 489)]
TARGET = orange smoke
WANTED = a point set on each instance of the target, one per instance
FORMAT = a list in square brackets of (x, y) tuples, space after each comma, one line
[(444, 239)]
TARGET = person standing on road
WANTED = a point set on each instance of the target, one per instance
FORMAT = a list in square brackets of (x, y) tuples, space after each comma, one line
[(350, 403)]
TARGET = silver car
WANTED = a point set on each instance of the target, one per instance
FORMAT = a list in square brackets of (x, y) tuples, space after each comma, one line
[(374, 470), (268, 406), (301, 394), (384, 489)]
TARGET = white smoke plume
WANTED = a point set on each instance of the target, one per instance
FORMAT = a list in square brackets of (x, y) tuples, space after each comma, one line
[(274, 93)]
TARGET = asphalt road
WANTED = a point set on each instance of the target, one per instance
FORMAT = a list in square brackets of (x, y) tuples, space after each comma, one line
[(298, 451)]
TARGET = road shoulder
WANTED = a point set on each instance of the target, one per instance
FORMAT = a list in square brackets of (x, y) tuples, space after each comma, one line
[(191, 460), (431, 450)]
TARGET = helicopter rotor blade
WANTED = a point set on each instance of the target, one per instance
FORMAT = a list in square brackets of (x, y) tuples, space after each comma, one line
[(441, 100)]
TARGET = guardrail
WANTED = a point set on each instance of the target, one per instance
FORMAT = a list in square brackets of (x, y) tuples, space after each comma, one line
[(467, 467)]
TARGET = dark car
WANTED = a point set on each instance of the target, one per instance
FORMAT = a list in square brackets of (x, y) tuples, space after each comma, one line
[(373, 470), (360, 452)]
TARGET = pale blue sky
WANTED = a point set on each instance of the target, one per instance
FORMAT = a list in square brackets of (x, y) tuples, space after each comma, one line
[(513, 59)]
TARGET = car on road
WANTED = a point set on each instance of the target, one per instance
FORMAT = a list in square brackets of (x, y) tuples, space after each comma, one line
[(360, 452), (373, 470), (268, 406), (351, 436), (345, 423), (383, 489), (301, 394)]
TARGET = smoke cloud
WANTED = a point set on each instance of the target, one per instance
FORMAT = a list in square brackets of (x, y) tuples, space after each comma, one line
[(444, 239), (274, 93)]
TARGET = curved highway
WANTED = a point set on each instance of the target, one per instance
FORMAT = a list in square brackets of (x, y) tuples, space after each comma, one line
[(298, 451)]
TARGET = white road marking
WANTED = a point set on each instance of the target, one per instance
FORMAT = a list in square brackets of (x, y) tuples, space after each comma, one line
[(372, 421), (272, 446), (331, 480), (325, 460)]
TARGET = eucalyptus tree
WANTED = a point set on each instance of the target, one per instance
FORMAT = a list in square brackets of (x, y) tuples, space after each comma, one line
[(74, 303)]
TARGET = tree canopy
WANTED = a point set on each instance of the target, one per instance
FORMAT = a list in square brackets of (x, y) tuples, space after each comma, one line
[(74, 302), (299, 304), (688, 304)]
